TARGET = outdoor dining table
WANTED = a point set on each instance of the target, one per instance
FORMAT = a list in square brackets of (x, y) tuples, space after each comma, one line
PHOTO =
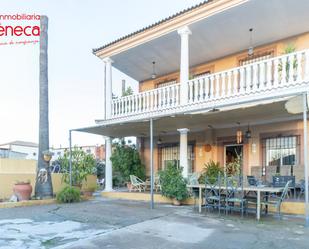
[(257, 189)]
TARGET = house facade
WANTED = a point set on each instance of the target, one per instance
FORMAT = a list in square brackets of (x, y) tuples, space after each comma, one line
[(220, 80), (98, 151), (19, 150)]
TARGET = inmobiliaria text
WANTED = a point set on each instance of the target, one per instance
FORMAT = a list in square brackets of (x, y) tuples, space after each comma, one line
[(19, 30)]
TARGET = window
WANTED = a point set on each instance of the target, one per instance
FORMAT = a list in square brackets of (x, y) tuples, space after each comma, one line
[(281, 151), (166, 83), (169, 153), (257, 57), (201, 74)]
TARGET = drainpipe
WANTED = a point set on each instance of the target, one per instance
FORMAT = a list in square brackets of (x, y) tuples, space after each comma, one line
[(151, 165), (306, 158)]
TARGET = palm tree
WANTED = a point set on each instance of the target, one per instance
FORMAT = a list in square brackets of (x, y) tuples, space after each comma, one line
[(43, 187)]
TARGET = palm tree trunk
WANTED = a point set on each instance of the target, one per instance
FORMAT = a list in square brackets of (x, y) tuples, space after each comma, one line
[(43, 187)]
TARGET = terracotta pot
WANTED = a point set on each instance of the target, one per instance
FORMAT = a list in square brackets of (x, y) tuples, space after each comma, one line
[(22, 191), (129, 186), (176, 202), (88, 193), (47, 157)]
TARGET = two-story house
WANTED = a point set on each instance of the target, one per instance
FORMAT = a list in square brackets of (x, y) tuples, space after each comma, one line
[(221, 79)]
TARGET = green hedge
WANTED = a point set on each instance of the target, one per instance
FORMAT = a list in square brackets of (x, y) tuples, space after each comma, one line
[(69, 195)]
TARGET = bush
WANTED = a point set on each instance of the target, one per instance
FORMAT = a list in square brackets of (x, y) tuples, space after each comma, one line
[(83, 164), (173, 184), (126, 161), (68, 195), (211, 170)]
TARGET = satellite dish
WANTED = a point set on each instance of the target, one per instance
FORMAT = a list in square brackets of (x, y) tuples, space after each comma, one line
[(295, 104)]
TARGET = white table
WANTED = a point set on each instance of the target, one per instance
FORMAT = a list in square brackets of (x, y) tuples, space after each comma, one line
[(256, 189)]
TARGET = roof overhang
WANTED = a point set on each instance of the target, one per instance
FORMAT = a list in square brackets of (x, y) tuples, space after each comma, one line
[(263, 112), (215, 34)]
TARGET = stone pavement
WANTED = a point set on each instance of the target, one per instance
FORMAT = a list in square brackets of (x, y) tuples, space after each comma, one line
[(104, 223)]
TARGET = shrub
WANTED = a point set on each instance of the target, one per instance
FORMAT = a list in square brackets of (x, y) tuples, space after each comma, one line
[(211, 170), (173, 184), (68, 195), (126, 161), (83, 164)]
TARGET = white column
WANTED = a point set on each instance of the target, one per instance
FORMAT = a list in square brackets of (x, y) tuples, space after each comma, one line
[(108, 87), (108, 165), (183, 151), (184, 33)]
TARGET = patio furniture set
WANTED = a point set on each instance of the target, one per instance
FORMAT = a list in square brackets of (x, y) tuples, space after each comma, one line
[(228, 194), (138, 184)]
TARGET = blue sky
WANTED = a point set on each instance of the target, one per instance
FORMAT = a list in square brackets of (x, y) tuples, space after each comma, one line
[(75, 74)]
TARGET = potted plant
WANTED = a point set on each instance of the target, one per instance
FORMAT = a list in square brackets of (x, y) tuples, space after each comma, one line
[(173, 184), (233, 168), (23, 190), (88, 191), (211, 170), (288, 50), (83, 164), (47, 155)]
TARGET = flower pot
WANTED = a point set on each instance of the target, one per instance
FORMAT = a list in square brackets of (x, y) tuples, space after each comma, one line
[(129, 186), (47, 157), (22, 191), (176, 202), (88, 193)]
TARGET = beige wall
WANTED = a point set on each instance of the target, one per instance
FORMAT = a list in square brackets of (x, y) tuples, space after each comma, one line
[(17, 165), (217, 138), (300, 42), (12, 170)]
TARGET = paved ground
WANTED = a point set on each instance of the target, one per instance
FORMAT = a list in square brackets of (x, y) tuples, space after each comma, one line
[(119, 224)]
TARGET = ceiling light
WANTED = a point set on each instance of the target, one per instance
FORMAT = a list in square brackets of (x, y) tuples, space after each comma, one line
[(154, 75), (250, 49)]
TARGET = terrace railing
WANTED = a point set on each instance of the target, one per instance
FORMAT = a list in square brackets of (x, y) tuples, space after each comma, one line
[(270, 74)]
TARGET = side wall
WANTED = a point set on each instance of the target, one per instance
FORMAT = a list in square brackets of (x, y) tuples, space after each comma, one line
[(12, 170)]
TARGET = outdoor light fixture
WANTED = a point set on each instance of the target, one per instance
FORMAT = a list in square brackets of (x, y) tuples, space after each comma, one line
[(239, 135), (248, 133), (154, 75), (250, 49), (253, 148)]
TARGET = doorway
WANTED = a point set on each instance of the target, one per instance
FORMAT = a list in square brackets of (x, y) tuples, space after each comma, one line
[(231, 153)]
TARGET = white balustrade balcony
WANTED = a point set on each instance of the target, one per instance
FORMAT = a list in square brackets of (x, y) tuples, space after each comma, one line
[(269, 76)]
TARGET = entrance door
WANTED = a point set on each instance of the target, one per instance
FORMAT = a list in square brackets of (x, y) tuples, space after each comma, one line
[(231, 153)]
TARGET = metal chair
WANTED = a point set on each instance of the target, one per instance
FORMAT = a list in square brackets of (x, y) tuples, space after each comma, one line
[(301, 185), (213, 198), (137, 184), (280, 181), (252, 181), (235, 199), (193, 180), (276, 201)]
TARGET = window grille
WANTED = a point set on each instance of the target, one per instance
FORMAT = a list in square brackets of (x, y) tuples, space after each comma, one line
[(281, 151), (169, 153)]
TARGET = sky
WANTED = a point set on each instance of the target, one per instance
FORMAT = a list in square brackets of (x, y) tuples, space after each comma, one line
[(75, 74)]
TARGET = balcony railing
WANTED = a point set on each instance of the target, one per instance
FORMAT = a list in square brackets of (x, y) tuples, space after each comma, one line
[(271, 74)]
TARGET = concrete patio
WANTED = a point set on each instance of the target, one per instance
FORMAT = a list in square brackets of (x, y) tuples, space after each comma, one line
[(106, 223)]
